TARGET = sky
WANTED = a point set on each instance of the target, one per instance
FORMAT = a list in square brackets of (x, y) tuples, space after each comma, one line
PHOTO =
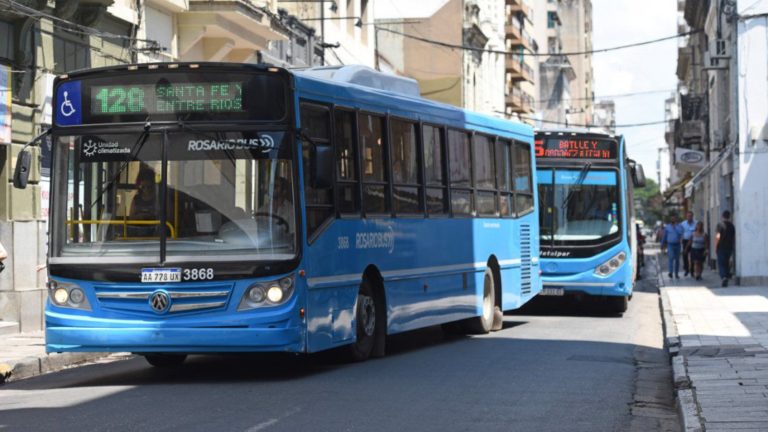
[(645, 68)]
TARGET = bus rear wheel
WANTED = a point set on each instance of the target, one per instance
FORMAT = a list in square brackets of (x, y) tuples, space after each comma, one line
[(485, 322), (165, 360), (366, 323)]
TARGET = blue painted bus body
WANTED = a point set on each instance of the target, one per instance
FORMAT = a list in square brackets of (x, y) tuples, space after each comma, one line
[(432, 268), (577, 275)]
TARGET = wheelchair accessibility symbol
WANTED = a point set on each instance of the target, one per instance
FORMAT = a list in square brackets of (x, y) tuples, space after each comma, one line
[(67, 109)]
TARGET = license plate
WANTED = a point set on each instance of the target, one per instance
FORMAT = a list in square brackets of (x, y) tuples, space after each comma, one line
[(161, 275), (552, 291)]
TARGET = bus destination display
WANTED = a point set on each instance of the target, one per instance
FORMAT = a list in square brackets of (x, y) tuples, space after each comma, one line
[(576, 148), (207, 97)]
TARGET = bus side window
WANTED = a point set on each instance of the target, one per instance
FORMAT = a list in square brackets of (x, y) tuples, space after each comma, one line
[(522, 178), (485, 181), (460, 164), (315, 122), (406, 179), (375, 181), (347, 185), (503, 177), (434, 170)]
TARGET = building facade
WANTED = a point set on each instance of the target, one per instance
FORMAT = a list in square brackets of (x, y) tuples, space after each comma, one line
[(469, 78), (720, 148), (576, 37), (39, 40)]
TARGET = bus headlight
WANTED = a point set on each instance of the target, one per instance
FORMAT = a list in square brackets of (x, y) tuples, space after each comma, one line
[(60, 296), (609, 267), (275, 294), (67, 295), (270, 293)]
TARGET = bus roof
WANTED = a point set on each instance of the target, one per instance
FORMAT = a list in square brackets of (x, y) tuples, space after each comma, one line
[(377, 92), (594, 131)]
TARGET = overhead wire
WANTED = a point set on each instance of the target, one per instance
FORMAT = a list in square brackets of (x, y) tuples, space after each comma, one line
[(589, 125), (532, 53)]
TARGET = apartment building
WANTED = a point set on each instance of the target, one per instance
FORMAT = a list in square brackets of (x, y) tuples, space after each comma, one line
[(519, 87)]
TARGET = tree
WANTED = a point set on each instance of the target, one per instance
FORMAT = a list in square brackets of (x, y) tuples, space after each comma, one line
[(651, 202)]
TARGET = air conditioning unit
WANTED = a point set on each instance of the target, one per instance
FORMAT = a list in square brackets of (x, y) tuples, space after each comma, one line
[(714, 63), (719, 49)]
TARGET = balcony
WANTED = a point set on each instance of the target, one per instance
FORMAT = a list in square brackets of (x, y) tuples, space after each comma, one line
[(516, 34), (224, 30), (519, 7), (684, 57), (518, 69), (519, 101)]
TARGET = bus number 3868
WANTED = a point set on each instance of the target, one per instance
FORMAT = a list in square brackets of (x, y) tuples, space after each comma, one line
[(198, 274)]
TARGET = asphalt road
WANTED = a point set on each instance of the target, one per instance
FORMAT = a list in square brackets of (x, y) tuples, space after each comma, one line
[(556, 366)]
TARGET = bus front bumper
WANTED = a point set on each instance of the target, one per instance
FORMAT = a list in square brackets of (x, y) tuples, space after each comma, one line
[(588, 284), (92, 337)]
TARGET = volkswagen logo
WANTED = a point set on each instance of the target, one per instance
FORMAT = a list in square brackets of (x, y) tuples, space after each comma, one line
[(159, 301)]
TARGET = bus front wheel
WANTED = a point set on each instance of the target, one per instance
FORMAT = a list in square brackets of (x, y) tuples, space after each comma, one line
[(617, 304), (165, 360), (366, 323)]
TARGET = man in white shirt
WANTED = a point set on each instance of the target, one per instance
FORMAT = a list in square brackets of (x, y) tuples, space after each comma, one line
[(689, 226)]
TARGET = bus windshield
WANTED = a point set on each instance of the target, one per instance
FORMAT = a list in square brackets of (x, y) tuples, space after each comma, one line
[(226, 194), (579, 206)]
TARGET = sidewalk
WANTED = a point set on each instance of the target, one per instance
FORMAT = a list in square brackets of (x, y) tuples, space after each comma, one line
[(23, 356), (719, 341)]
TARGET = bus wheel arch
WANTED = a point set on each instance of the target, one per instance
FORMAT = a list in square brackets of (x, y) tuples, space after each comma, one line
[(498, 315), (371, 294)]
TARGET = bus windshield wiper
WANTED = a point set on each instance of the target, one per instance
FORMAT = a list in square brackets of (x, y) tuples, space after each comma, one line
[(579, 182), (135, 149)]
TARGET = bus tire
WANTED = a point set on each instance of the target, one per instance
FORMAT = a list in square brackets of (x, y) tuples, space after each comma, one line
[(165, 360), (617, 304), (366, 323), (484, 323)]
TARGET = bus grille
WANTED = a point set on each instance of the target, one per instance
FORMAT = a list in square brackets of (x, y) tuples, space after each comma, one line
[(135, 298), (525, 259)]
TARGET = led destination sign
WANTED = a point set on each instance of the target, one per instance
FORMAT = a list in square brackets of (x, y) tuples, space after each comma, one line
[(576, 148), (217, 97), (205, 94)]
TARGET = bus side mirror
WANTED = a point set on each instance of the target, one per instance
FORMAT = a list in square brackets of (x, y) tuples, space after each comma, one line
[(638, 176), (322, 166), (21, 172)]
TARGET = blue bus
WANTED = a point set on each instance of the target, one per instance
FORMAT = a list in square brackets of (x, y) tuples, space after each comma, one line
[(206, 207), (588, 237)]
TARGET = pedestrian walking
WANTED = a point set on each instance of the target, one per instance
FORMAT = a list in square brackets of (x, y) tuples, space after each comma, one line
[(725, 241), (698, 247), (688, 225), (672, 239)]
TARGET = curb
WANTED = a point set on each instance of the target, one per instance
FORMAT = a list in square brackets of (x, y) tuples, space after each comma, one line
[(687, 408), (34, 366)]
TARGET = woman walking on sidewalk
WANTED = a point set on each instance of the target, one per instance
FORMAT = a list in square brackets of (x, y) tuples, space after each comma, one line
[(698, 247), (673, 236)]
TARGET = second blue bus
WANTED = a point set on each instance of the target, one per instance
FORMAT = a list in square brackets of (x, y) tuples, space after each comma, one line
[(588, 238)]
